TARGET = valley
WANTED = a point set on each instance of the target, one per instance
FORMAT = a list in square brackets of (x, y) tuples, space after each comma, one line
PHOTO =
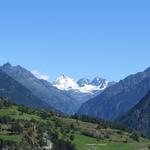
[(99, 123), (74, 75)]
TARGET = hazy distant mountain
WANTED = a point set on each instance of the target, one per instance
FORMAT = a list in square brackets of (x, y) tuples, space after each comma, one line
[(138, 117), (118, 98), (42, 89), (14, 91), (83, 89)]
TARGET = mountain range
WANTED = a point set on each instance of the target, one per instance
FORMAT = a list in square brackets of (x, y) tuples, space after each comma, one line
[(42, 89), (118, 98), (65, 94), (97, 98), (122, 102)]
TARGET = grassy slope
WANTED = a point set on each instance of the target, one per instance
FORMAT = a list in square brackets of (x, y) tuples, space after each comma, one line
[(14, 113), (13, 138), (85, 143), (115, 141)]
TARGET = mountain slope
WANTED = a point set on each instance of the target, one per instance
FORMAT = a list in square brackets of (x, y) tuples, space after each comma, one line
[(11, 89), (25, 129), (42, 89), (118, 98), (138, 117)]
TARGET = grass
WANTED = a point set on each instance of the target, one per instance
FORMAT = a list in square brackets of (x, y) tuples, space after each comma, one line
[(12, 138), (88, 143), (14, 113), (114, 142)]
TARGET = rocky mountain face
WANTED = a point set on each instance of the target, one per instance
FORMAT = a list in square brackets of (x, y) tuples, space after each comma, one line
[(42, 89), (138, 117), (118, 98), (14, 91), (83, 89)]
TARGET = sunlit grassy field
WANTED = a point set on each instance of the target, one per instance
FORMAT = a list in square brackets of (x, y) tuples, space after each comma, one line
[(87, 143)]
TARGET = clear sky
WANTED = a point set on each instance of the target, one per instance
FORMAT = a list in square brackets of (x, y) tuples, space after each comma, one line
[(79, 38)]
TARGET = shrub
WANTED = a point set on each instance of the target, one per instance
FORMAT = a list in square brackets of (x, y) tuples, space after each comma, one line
[(17, 128), (71, 137), (135, 136)]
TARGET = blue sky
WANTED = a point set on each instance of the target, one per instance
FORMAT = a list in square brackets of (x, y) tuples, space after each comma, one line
[(79, 38)]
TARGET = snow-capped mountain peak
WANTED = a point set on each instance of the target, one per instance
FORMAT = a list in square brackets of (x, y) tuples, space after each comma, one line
[(65, 83), (83, 85)]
